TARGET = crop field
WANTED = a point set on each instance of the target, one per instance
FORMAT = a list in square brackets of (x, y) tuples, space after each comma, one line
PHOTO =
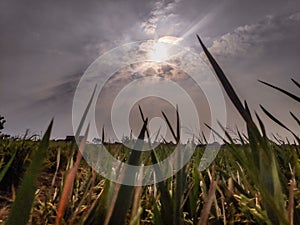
[(254, 179)]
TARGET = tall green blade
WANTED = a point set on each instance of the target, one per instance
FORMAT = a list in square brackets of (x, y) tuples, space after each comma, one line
[(281, 90), (295, 118), (124, 196), (6, 167), (226, 84), (279, 123), (259, 160), (170, 126), (85, 114), (295, 82), (21, 207)]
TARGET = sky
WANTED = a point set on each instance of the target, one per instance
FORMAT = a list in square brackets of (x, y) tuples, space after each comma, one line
[(46, 46)]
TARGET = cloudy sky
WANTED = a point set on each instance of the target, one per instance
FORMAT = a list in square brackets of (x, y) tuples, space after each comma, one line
[(45, 47)]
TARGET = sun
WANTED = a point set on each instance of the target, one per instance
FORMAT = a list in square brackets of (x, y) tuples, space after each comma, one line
[(160, 49), (159, 52)]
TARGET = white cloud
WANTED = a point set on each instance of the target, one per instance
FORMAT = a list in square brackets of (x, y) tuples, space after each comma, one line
[(256, 38), (162, 13)]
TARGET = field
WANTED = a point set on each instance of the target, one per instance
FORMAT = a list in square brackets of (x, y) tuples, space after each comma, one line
[(253, 180)]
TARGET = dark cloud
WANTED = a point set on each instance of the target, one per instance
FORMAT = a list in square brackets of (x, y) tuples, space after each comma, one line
[(61, 93)]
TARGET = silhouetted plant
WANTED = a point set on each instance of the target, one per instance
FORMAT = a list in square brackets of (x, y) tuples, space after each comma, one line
[(2, 122)]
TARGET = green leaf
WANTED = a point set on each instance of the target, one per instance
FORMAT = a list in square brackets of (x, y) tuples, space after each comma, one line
[(295, 118), (295, 82), (123, 200), (279, 123), (226, 84), (85, 114), (5, 169), (170, 126), (22, 205), (281, 90), (157, 217), (262, 126)]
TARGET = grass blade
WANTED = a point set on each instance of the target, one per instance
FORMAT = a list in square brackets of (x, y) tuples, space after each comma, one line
[(177, 125), (295, 118), (166, 204), (241, 139), (103, 136), (281, 90), (204, 138), (67, 190), (215, 132), (226, 84), (157, 217), (279, 123), (262, 126), (208, 202), (291, 202), (170, 126), (5, 169), (118, 210), (295, 82), (85, 114), (57, 166), (259, 158), (22, 205)]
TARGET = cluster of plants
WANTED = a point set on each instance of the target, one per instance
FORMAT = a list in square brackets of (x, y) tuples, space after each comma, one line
[(253, 180)]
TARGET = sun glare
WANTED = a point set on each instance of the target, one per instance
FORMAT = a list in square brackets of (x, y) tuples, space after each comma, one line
[(160, 49), (159, 52)]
